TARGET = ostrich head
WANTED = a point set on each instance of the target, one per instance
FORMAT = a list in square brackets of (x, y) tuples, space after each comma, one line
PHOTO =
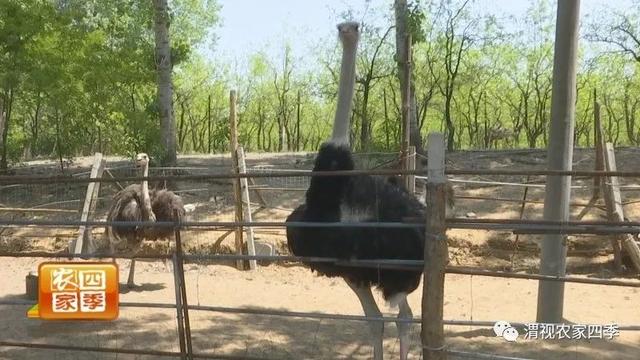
[(142, 160), (349, 33)]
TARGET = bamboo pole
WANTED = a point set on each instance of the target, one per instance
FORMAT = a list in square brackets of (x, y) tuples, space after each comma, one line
[(435, 253)]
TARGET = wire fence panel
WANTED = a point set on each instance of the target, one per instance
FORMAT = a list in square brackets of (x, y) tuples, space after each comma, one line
[(39, 215)]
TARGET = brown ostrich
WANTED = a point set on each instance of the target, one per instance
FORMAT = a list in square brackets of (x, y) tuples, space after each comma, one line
[(137, 203)]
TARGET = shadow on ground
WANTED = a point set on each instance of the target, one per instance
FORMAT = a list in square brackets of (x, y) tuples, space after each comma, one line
[(249, 336)]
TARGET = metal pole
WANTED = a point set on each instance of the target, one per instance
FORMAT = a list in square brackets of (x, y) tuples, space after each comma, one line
[(179, 272), (560, 153), (177, 286)]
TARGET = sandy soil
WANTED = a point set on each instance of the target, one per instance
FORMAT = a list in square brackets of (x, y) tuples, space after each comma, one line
[(292, 287)]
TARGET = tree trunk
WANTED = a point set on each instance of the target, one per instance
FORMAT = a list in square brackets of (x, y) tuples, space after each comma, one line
[(59, 141), (260, 136), (281, 135), (209, 124), (298, 124), (415, 138), (165, 90), (2, 137), (451, 131), (401, 14), (35, 125), (365, 128), (5, 118), (181, 131), (386, 119)]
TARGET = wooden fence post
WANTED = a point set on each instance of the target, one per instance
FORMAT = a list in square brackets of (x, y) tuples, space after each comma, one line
[(78, 246), (611, 195), (411, 165), (615, 212), (436, 254), (236, 182), (246, 207), (406, 107)]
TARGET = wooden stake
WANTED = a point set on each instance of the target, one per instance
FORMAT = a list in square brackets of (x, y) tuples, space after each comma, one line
[(261, 199), (236, 182), (246, 206), (411, 165), (615, 211), (78, 246), (436, 254)]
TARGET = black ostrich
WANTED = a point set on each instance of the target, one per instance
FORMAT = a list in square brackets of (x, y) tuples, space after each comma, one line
[(137, 203), (359, 199)]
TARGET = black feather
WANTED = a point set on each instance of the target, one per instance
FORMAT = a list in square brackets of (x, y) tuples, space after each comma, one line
[(375, 198)]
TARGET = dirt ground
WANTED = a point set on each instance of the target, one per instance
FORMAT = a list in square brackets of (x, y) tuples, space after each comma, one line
[(292, 287)]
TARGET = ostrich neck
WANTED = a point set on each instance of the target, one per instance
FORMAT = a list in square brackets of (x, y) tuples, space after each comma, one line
[(147, 212), (345, 94)]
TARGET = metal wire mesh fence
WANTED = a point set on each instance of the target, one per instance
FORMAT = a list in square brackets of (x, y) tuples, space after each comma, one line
[(206, 194)]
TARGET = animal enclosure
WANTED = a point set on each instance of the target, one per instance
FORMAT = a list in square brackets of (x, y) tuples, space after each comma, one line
[(304, 316)]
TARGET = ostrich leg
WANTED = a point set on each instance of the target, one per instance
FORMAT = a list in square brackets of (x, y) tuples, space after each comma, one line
[(130, 282), (370, 310), (404, 313), (168, 264), (112, 248)]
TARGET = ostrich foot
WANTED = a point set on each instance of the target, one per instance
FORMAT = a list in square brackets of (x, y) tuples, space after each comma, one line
[(168, 265), (132, 270)]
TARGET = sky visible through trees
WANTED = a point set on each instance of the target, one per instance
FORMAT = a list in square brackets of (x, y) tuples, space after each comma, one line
[(79, 76)]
